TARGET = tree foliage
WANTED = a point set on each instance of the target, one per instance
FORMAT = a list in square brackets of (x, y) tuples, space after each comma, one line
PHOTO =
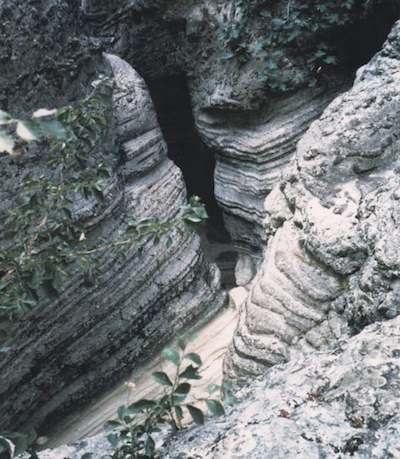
[(303, 30), (42, 236)]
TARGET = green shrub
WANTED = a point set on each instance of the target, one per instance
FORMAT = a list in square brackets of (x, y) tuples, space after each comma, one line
[(132, 433), (42, 236)]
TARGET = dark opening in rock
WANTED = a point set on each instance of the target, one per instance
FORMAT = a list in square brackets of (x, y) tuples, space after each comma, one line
[(197, 162), (358, 43)]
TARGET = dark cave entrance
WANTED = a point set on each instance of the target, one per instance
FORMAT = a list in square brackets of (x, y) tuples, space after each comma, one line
[(197, 162), (358, 43)]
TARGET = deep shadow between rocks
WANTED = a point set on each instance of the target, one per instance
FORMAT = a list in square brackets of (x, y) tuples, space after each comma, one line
[(197, 162), (358, 43)]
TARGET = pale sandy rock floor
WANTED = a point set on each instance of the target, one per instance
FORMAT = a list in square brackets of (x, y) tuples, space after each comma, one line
[(209, 341)]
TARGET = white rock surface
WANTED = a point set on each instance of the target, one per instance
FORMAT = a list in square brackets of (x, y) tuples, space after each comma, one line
[(337, 404), (332, 262)]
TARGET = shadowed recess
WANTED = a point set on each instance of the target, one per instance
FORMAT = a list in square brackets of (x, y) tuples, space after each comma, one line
[(197, 162)]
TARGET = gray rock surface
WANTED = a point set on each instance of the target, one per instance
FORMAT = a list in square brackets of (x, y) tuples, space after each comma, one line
[(331, 265), (332, 261), (253, 150), (250, 96), (256, 103), (71, 347), (339, 404)]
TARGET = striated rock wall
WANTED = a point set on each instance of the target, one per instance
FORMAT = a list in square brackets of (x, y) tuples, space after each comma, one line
[(257, 76), (332, 261), (75, 345), (249, 67), (252, 151), (264, 88)]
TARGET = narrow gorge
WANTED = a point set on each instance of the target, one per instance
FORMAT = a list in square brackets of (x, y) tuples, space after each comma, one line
[(277, 120)]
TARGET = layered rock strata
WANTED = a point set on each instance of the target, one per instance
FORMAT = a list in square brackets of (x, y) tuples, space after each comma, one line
[(75, 345), (248, 66), (253, 150), (332, 261), (249, 81)]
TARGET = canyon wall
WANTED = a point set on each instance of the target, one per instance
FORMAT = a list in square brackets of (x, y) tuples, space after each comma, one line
[(258, 75), (321, 247), (72, 346), (337, 404), (331, 265)]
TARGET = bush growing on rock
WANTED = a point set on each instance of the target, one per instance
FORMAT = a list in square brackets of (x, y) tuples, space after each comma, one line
[(132, 433)]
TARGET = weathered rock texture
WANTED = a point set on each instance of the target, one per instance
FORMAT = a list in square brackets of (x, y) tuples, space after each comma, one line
[(332, 263), (256, 104), (69, 348), (331, 260), (253, 150), (249, 93), (340, 404)]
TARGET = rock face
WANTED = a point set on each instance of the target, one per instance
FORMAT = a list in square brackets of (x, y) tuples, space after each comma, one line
[(243, 61), (248, 67), (253, 150), (256, 103), (332, 261), (73, 346), (339, 404)]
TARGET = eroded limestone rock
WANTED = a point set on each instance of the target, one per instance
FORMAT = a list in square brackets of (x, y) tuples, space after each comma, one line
[(73, 346), (249, 83), (332, 261), (339, 404)]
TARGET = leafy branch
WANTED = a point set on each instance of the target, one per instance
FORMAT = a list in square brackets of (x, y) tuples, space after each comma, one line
[(132, 434), (42, 235)]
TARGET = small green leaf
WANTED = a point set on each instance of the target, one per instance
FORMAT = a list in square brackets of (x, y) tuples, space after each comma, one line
[(172, 355), (190, 372), (122, 413), (183, 389), (227, 384), (113, 439), (215, 407), (192, 219), (177, 399), (141, 405), (162, 378), (182, 342), (196, 414), (87, 456), (178, 412), (149, 446), (195, 358)]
